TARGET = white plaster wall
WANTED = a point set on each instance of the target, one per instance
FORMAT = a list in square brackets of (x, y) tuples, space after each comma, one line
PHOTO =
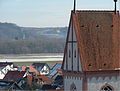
[(46, 69), (80, 66), (5, 70), (69, 59), (74, 36), (68, 81), (96, 84), (70, 33), (75, 59), (69, 49), (1, 75)]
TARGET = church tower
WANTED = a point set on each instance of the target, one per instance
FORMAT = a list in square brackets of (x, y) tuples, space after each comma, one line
[(92, 53)]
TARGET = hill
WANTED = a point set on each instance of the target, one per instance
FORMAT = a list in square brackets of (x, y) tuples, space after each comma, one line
[(10, 30), (26, 40)]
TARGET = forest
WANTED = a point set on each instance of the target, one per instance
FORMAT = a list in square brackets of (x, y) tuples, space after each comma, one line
[(27, 40), (30, 46)]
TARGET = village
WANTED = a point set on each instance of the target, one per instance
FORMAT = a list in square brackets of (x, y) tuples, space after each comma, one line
[(91, 59), (38, 76)]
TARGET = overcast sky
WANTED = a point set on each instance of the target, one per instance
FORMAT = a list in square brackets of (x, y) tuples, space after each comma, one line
[(45, 13)]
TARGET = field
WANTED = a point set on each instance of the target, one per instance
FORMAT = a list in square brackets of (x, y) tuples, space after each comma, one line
[(28, 59), (51, 63)]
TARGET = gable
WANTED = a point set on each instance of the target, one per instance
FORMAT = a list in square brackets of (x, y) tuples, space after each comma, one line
[(71, 60), (14, 75)]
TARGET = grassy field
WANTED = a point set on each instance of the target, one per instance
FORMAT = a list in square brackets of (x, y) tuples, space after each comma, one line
[(28, 59), (29, 63)]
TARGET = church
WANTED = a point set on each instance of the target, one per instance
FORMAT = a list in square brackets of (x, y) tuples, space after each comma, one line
[(92, 52)]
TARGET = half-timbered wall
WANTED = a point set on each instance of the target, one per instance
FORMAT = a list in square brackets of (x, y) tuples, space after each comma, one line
[(72, 58)]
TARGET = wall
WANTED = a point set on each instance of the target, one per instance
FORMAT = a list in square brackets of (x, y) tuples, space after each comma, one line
[(72, 58), (4, 71), (45, 70), (96, 84), (69, 80)]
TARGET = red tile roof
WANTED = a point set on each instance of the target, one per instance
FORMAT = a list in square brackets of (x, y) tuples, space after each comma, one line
[(14, 75), (98, 39), (31, 69), (46, 79)]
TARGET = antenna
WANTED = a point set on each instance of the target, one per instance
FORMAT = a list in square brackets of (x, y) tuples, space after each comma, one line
[(115, 6), (74, 9)]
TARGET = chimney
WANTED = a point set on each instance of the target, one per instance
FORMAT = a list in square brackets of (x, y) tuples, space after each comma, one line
[(115, 6), (74, 8)]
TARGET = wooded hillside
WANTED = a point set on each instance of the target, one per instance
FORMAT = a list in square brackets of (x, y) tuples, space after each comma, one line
[(22, 40)]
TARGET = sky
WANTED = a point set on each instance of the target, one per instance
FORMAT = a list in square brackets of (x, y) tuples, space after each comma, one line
[(46, 13)]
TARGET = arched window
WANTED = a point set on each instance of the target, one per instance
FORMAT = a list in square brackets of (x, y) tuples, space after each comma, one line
[(107, 87), (73, 87)]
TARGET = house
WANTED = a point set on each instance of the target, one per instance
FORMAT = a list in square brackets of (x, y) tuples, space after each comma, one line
[(54, 69), (43, 79), (47, 87), (92, 53), (9, 86), (16, 76), (5, 67), (42, 68), (31, 70), (38, 81), (58, 81)]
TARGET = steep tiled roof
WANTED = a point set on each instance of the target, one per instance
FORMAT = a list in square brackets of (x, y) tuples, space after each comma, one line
[(98, 39), (31, 69), (44, 78), (39, 65), (56, 66), (55, 69), (14, 75)]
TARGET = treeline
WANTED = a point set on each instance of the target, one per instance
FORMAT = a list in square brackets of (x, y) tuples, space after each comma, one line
[(12, 31), (29, 46)]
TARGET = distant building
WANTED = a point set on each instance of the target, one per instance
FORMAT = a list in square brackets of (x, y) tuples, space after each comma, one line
[(5, 67), (16, 76), (54, 70), (92, 53), (42, 68), (31, 70), (9, 86)]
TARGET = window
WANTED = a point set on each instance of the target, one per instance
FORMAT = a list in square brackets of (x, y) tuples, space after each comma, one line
[(107, 87), (69, 54), (75, 53), (73, 87)]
